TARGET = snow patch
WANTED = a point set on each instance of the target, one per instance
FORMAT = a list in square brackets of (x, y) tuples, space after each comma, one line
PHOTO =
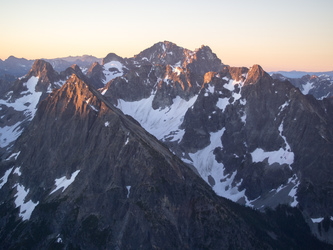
[(128, 191), (222, 103), (104, 91), (306, 88), (162, 123), (8, 134), (63, 182), (110, 75), (211, 89), (281, 156), (107, 124), (4, 178), (17, 171), (293, 191), (26, 208), (28, 101), (15, 155), (317, 220), (59, 240)]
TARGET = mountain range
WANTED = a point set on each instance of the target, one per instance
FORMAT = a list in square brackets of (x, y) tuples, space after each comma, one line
[(19, 67), (138, 153)]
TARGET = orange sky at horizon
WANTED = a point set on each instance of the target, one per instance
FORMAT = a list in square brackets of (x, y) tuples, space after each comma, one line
[(284, 35)]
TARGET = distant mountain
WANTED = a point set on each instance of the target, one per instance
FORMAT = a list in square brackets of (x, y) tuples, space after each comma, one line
[(319, 86), (300, 74), (84, 62), (20, 66)]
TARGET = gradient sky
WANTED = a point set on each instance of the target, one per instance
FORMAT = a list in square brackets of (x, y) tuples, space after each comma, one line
[(278, 35)]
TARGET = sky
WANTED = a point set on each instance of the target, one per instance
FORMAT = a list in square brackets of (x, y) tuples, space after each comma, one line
[(278, 35)]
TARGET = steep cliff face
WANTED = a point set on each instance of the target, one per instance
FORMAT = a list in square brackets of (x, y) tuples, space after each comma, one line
[(83, 175)]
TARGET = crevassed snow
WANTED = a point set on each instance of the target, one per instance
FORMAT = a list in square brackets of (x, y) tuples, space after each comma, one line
[(63, 182), (4, 178), (162, 123), (281, 156), (26, 208), (109, 75)]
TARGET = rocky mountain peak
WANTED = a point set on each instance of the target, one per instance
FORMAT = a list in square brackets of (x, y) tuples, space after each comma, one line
[(95, 68), (255, 73), (44, 71), (163, 53), (74, 69), (112, 57), (41, 68)]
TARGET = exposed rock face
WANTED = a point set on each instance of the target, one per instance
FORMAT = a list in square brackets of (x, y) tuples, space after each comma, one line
[(20, 66), (86, 176)]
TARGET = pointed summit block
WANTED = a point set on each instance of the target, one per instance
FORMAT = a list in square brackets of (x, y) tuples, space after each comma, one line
[(255, 73), (44, 71)]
